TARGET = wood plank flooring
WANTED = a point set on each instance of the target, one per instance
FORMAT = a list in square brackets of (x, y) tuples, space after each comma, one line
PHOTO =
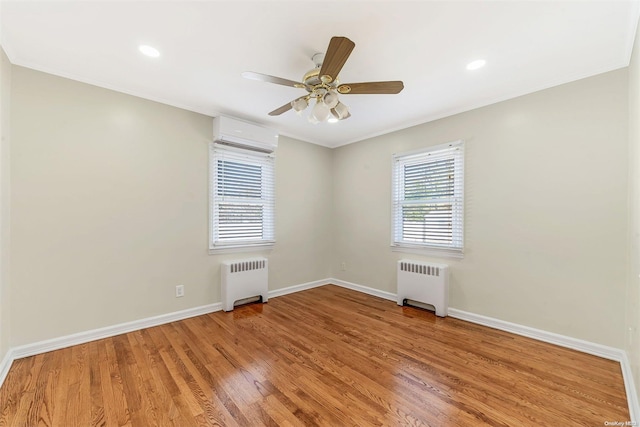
[(327, 356)]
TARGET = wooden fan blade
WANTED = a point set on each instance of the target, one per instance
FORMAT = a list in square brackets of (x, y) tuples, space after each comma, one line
[(337, 54), (371, 88), (286, 107), (271, 79)]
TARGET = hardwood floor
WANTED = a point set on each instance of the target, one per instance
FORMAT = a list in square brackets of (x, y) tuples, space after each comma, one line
[(326, 356)]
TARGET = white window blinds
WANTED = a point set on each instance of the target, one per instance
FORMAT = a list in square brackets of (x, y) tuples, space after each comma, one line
[(428, 196), (242, 197)]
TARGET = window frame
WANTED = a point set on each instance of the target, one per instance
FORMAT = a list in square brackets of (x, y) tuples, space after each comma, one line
[(456, 248), (253, 156)]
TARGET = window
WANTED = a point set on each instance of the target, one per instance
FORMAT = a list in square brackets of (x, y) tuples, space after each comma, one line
[(241, 199), (428, 200)]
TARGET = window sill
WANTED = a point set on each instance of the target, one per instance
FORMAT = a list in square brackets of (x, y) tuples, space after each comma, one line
[(235, 249), (435, 252)]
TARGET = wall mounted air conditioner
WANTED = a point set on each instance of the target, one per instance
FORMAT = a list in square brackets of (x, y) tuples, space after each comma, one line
[(238, 133)]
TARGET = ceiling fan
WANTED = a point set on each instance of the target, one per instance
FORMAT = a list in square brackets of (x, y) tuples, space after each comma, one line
[(322, 84)]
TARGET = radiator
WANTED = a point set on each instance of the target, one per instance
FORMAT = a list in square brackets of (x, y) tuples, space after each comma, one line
[(244, 279), (424, 283)]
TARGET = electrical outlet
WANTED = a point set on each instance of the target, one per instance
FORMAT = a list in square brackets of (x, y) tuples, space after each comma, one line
[(179, 291), (343, 266)]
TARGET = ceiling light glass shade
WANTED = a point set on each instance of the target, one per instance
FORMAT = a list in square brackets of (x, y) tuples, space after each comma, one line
[(340, 111), (474, 65), (320, 111), (332, 120), (299, 104), (149, 51), (313, 119), (331, 99)]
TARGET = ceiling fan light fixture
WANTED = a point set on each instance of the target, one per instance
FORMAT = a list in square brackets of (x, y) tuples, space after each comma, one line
[(322, 84), (340, 111), (320, 111), (331, 99), (299, 104)]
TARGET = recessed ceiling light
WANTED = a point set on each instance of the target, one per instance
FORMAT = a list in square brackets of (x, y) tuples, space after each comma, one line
[(474, 65), (149, 51)]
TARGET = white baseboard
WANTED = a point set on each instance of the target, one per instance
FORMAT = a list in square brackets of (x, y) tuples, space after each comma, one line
[(297, 288), (630, 389), (540, 335), (122, 328), (109, 331), (364, 289), (600, 350), (5, 365)]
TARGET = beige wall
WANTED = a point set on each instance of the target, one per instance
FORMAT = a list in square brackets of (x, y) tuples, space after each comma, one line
[(304, 210), (5, 104), (633, 285), (545, 208), (109, 209)]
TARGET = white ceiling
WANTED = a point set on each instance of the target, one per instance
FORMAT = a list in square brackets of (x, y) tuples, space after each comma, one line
[(205, 46)]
